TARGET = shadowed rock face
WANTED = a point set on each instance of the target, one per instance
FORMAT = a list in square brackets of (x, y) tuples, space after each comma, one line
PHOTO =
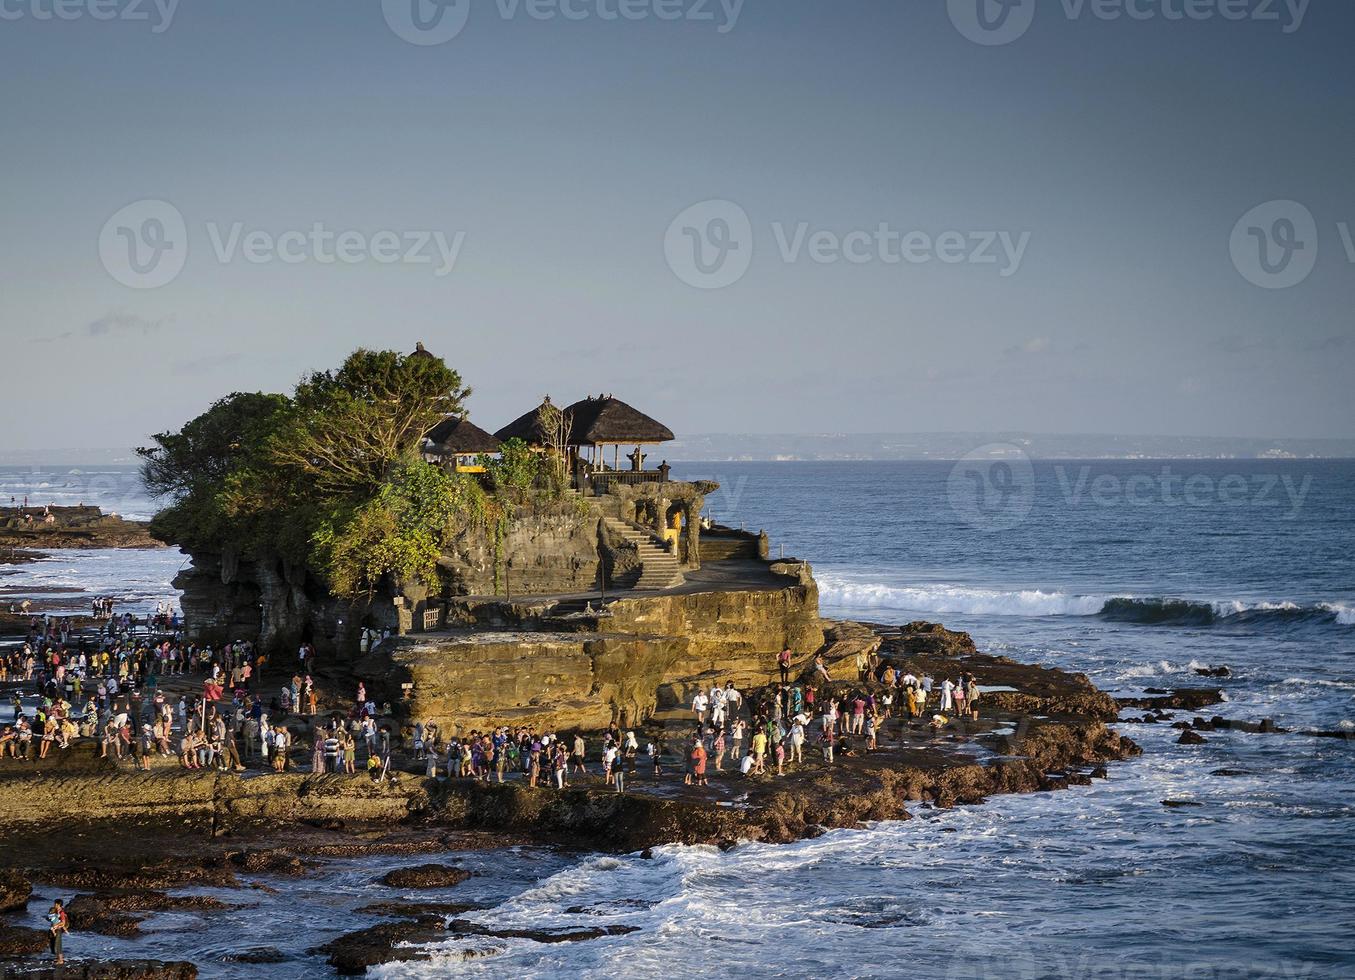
[(14, 891)]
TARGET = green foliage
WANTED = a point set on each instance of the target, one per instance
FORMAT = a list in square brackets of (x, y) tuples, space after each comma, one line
[(401, 532), (331, 476), (516, 471), (349, 429)]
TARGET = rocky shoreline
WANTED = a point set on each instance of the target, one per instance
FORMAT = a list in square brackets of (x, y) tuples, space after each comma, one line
[(1040, 730), (26, 531)]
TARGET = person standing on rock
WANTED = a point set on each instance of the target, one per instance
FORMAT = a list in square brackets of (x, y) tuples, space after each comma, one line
[(783, 664), (58, 925), (697, 756), (577, 756), (699, 705)]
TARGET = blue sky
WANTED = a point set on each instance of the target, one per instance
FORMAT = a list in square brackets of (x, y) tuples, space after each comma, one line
[(551, 157)]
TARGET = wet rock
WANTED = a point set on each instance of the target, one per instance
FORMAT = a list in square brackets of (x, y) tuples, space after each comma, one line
[(1230, 772), (426, 876), (1100, 773), (1177, 804), (415, 909), (1180, 699), (102, 970), (1213, 672), (273, 862), (1191, 738), (91, 914), (461, 927), (20, 941), (352, 954), (258, 954), (14, 891)]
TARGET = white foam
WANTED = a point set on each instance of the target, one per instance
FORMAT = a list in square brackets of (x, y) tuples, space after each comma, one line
[(837, 591)]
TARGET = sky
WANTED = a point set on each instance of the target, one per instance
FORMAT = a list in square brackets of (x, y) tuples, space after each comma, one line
[(757, 216)]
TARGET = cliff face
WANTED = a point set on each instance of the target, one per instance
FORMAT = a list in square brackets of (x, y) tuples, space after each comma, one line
[(541, 553), (226, 598), (283, 604), (646, 653)]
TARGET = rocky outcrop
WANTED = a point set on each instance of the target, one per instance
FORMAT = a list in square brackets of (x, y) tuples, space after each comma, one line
[(71, 527), (15, 890), (203, 803), (101, 970), (642, 654), (426, 876)]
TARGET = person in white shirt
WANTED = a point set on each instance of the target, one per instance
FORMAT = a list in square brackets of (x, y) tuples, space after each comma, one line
[(717, 706), (699, 705)]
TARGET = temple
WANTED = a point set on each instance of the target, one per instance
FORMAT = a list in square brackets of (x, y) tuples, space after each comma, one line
[(608, 598)]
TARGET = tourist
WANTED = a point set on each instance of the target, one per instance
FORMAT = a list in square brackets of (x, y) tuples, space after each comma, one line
[(783, 663), (827, 740), (697, 755), (821, 669), (699, 704), (656, 755), (58, 924), (577, 755), (797, 739)]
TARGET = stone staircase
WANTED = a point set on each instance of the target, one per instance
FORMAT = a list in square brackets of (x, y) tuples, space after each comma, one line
[(659, 569)]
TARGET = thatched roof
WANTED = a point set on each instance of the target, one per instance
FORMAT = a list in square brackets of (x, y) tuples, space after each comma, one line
[(455, 436), (526, 427), (593, 421), (610, 420)]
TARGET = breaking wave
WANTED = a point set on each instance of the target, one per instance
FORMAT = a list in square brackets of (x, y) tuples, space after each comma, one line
[(1150, 610)]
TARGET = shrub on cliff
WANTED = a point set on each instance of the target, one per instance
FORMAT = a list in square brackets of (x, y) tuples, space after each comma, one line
[(331, 476)]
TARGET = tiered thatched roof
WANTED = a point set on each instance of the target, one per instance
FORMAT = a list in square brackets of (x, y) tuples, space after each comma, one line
[(608, 421), (599, 421), (455, 436)]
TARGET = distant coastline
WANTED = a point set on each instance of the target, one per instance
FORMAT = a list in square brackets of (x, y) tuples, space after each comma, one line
[(879, 447)]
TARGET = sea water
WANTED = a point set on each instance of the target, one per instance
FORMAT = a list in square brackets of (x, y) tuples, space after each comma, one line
[(1134, 586)]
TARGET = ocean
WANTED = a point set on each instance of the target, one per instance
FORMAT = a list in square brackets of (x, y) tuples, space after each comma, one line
[(1135, 573)]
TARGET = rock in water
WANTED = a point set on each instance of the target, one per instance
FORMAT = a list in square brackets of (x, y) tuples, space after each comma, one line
[(14, 891), (426, 876)]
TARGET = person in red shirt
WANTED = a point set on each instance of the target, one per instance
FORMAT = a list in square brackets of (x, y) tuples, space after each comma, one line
[(698, 757)]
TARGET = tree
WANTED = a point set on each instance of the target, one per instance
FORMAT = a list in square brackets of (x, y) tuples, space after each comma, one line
[(349, 429), (557, 427)]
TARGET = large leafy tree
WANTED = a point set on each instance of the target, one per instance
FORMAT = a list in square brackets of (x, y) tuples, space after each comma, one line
[(331, 476), (350, 429)]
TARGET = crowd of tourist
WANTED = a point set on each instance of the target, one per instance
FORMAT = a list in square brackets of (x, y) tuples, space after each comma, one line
[(108, 686)]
